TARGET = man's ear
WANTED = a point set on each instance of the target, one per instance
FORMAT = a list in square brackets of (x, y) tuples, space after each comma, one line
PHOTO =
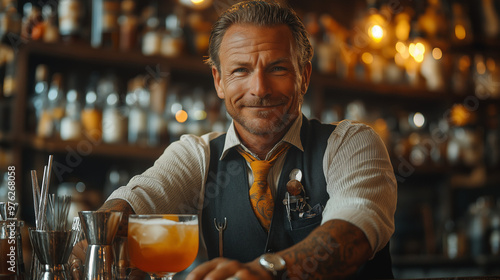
[(217, 82), (306, 77)]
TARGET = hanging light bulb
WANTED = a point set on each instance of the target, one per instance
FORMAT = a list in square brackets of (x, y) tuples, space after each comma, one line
[(196, 4)]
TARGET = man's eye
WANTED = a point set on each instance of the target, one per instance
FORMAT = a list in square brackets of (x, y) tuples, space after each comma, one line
[(278, 68), (240, 70)]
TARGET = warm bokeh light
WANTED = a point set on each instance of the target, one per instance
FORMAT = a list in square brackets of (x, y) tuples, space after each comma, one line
[(181, 116), (399, 60), (491, 64), (367, 58), (480, 67), (403, 28), (197, 2), (464, 63), (437, 53), (460, 32), (460, 116), (377, 33), (417, 51)]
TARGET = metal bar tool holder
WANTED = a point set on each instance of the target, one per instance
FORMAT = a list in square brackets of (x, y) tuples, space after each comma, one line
[(99, 229), (52, 249)]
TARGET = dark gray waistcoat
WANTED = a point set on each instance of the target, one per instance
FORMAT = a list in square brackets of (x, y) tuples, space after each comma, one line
[(226, 196)]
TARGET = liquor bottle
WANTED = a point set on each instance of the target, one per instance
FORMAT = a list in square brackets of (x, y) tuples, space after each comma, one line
[(10, 27), (91, 115), (152, 35), (56, 102), (39, 93), (105, 30), (70, 15), (113, 121), (71, 128), (157, 123), (128, 23), (197, 121), (50, 29), (9, 83), (52, 109), (137, 100), (173, 38)]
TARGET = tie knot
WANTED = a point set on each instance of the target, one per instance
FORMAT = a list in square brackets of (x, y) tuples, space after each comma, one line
[(260, 170)]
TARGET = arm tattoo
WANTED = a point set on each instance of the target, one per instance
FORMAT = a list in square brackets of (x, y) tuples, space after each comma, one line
[(121, 206), (334, 250)]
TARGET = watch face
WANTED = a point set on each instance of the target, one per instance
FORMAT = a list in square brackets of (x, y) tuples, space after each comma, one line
[(273, 262)]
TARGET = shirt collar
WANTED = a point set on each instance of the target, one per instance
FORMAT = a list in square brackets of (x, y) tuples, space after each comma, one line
[(292, 137)]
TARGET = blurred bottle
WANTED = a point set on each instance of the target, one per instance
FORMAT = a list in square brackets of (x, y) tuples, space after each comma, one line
[(105, 29), (32, 16), (478, 226), (70, 14), (116, 177), (157, 123), (454, 240), (152, 36), (173, 38), (197, 122), (49, 30), (71, 128), (175, 113), (494, 238), (57, 101), (490, 18), (91, 115), (9, 80), (10, 24), (137, 100), (113, 121), (128, 23), (461, 25), (39, 93)]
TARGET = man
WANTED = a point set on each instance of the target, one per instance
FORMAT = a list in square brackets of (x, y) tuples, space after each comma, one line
[(261, 65)]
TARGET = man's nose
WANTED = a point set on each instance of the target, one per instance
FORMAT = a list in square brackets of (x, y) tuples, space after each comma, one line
[(259, 84)]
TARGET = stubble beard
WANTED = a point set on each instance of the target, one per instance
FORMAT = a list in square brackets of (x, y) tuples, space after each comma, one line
[(253, 125)]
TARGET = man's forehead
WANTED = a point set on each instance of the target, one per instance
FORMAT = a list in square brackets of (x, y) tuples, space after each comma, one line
[(239, 35)]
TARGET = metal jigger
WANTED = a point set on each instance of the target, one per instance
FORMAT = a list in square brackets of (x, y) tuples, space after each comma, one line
[(52, 249), (100, 229)]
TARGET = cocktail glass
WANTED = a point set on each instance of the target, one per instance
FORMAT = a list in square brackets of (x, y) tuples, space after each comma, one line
[(162, 245)]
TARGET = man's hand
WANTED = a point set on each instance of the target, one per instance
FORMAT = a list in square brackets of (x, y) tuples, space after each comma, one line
[(221, 268)]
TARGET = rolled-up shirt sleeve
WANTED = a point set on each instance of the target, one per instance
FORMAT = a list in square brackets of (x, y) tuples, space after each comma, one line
[(360, 182), (174, 184)]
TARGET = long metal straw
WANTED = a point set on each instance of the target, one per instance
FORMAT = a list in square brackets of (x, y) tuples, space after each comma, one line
[(36, 195), (42, 207)]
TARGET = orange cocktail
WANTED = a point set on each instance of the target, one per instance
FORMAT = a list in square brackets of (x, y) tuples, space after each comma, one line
[(162, 244)]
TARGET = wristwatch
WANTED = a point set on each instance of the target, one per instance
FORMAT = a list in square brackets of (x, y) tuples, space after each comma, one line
[(273, 263)]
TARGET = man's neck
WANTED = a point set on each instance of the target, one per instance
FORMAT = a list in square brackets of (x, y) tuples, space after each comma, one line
[(260, 145)]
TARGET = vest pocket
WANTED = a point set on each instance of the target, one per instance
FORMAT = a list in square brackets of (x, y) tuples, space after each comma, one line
[(299, 228)]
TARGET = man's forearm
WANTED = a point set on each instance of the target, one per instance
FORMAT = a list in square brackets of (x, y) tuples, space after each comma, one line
[(121, 206), (335, 250)]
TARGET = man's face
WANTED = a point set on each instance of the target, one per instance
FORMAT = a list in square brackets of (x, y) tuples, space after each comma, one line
[(260, 78)]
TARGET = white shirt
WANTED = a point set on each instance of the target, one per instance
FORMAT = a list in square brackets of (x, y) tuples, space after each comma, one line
[(359, 176)]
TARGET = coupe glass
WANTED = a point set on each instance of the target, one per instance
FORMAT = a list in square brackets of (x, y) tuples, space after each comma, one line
[(162, 245)]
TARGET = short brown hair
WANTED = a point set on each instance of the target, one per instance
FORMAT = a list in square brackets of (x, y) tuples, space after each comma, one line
[(259, 13)]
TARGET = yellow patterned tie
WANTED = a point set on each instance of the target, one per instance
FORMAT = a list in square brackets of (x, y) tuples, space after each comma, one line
[(260, 194)]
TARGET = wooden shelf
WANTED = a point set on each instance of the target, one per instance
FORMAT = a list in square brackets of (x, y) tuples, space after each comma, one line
[(87, 147), (84, 53), (377, 90)]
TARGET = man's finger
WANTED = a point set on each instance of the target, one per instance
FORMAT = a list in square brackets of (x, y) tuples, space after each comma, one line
[(137, 274), (203, 269)]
